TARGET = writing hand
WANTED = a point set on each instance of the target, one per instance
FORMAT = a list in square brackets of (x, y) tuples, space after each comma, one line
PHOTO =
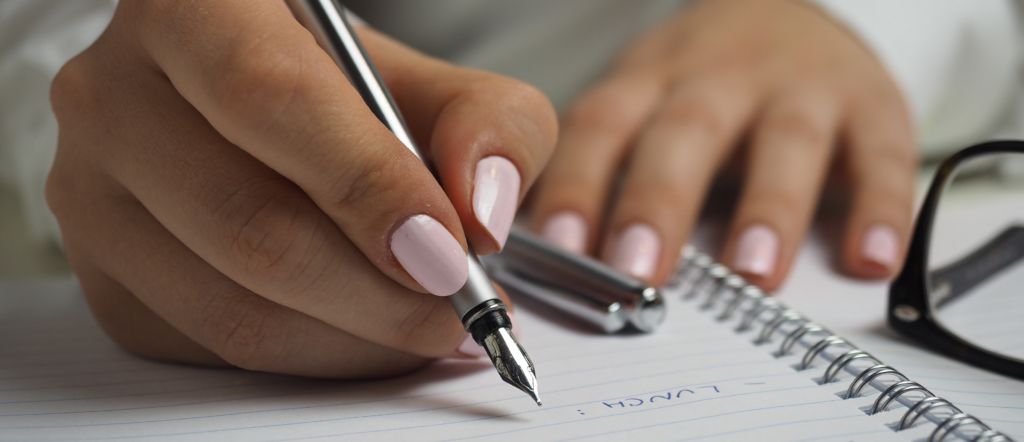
[(226, 197)]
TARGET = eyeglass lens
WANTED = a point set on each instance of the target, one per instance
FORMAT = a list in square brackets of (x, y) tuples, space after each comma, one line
[(976, 254)]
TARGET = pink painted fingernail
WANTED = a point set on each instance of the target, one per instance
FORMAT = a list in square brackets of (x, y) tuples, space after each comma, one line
[(881, 245), (566, 230), (636, 251), (496, 195), (471, 348), (431, 255), (757, 251)]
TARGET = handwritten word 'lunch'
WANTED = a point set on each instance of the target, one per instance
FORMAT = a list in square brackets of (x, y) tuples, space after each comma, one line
[(668, 396)]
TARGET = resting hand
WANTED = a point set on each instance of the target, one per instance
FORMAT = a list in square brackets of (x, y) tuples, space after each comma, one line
[(778, 78), (226, 197)]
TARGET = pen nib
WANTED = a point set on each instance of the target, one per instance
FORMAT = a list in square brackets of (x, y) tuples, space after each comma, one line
[(511, 361)]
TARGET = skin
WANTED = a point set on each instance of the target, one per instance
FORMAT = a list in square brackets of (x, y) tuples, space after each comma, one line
[(226, 197), (775, 86)]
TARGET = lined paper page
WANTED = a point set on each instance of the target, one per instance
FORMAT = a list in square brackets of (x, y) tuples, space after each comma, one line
[(989, 315), (694, 379), (856, 310)]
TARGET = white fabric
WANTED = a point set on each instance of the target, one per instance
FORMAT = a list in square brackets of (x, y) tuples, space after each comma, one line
[(36, 38), (957, 61)]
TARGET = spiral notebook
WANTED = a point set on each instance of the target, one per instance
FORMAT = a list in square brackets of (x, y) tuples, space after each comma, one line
[(696, 378)]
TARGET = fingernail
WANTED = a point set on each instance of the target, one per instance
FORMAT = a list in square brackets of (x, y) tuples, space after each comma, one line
[(495, 196), (431, 255), (636, 251), (757, 251), (881, 246), (471, 348), (566, 230)]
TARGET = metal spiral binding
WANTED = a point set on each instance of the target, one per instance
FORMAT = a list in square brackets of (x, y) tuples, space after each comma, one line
[(991, 436), (762, 305), (842, 361), (782, 317), (865, 377), (894, 391), (697, 276), (794, 336), (688, 268), (751, 292), (924, 405), (729, 284), (712, 278), (694, 274), (819, 347), (947, 426)]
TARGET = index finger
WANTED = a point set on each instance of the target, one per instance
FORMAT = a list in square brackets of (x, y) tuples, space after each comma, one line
[(259, 78)]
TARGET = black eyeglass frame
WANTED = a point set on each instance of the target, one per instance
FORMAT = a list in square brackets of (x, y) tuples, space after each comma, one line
[(910, 311)]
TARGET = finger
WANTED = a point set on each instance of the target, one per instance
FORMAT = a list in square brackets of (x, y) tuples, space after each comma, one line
[(248, 222), (672, 165), (133, 325), (209, 309), (268, 88), (596, 134), (882, 165), (789, 155), (489, 136)]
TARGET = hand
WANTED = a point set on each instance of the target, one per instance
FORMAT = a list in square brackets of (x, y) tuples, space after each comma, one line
[(226, 197), (776, 76)]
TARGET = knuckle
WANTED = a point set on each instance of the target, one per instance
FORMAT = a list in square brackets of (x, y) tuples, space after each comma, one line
[(534, 107), (369, 181), (270, 234), (72, 90), (601, 111), (697, 115), (797, 129), (246, 333)]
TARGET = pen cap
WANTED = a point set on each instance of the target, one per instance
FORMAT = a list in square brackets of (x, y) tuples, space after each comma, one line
[(608, 316), (586, 281)]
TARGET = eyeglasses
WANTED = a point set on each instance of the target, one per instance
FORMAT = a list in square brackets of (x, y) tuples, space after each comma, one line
[(961, 291)]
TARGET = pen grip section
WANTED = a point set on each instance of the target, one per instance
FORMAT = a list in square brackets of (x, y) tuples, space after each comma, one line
[(477, 291)]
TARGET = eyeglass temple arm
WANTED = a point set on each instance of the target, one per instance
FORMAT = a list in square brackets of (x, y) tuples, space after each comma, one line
[(952, 281)]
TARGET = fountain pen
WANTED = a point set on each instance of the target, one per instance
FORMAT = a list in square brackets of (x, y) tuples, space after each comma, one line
[(477, 304)]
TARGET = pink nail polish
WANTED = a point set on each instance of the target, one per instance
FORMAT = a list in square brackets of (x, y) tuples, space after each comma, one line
[(566, 230), (636, 251), (757, 251), (496, 195), (881, 245), (431, 255), (471, 348)]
